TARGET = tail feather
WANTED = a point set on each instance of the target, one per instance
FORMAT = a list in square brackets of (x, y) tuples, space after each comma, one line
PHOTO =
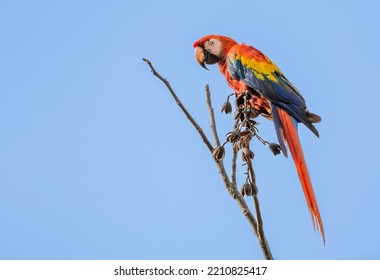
[(286, 129), (279, 131)]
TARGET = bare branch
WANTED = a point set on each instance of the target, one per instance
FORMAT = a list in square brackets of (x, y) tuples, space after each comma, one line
[(234, 158), (257, 226), (212, 117), (233, 167), (179, 103), (260, 225), (230, 186)]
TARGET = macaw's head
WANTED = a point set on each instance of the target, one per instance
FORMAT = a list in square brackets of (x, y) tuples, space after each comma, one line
[(212, 49)]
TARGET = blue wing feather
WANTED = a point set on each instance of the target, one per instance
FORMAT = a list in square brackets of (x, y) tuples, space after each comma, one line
[(279, 132), (281, 93)]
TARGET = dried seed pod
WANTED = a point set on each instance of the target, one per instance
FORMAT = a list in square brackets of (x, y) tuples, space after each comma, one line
[(227, 107), (247, 154), (244, 145), (254, 188), (245, 132), (246, 189), (218, 153), (246, 136), (275, 148), (238, 115), (236, 146), (248, 94), (233, 136), (242, 117), (252, 113), (253, 123), (239, 99)]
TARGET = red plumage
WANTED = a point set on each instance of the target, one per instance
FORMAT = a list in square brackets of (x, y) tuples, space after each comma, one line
[(294, 144)]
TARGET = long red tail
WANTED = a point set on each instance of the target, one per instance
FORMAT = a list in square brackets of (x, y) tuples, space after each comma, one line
[(291, 137)]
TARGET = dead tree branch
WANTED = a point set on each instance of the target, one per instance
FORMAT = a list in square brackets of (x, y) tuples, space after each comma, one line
[(218, 156), (212, 117), (179, 103)]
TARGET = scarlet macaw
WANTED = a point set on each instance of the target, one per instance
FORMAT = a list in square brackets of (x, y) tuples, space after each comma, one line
[(246, 68)]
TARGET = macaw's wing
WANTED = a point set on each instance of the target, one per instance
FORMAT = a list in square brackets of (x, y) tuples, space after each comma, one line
[(258, 72)]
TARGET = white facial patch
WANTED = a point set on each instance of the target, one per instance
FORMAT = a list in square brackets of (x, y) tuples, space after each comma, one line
[(213, 46)]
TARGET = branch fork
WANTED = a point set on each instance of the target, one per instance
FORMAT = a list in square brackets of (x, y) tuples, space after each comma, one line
[(244, 131)]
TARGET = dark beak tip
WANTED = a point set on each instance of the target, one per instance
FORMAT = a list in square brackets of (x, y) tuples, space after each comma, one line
[(204, 66)]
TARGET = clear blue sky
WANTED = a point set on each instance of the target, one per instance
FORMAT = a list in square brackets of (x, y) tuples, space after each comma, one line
[(97, 161)]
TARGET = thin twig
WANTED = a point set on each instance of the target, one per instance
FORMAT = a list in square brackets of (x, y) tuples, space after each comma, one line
[(179, 103), (234, 158), (212, 116), (260, 226), (234, 192), (233, 167)]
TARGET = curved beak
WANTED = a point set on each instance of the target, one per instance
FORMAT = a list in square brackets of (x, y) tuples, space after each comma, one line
[(204, 57)]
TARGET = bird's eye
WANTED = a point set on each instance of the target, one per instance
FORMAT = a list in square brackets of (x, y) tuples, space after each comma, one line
[(211, 42)]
